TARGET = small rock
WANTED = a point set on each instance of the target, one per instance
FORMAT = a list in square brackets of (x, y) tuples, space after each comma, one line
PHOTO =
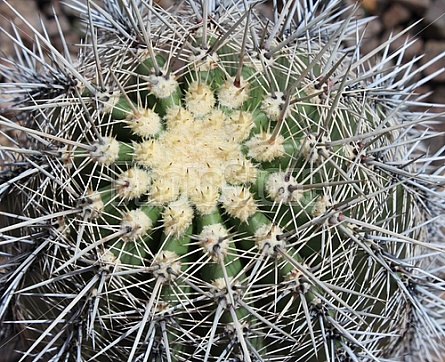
[(371, 37), (432, 49), (371, 6), (438, 96), (396, 14), (28, 10), (434, 20), (417, 6)]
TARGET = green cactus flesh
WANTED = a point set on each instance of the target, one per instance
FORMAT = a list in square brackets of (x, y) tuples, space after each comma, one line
[(211, 187)]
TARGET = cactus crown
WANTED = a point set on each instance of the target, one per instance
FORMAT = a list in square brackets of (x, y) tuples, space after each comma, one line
[(206, 184)]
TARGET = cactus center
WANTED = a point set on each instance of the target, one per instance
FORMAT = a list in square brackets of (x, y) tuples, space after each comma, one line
[(198, 158)]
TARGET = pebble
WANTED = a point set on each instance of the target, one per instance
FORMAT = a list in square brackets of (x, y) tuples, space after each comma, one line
[(394, 16), (418, 7)]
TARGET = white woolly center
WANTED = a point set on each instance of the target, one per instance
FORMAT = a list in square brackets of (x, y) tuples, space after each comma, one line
[(262, 149), (93, 205), (133, 183), (109, 101), (203, 62), (231, 95), (166, 266), (239, 125), (240, 171), (105, 152), (162, 87), (197, 153), (199, 99), (272, 105), (297, 280), (135, 224), (320, 206), (313, 148), (221, 292), (214, 238), (238, 201), (267, 240), (109, 261), (177, 217), (277, 187), (144, 122), (147, 151)]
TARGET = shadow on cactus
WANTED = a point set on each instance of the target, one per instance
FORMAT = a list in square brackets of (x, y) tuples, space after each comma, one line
[(204, 184)]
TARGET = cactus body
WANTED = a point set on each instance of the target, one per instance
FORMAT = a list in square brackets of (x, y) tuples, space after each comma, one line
[(206, 185)]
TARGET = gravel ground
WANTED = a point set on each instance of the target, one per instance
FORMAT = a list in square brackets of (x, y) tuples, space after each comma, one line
[(428, 16), (397, 15)]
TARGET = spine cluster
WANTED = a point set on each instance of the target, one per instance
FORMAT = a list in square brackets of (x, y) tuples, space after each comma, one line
[(206, 184)]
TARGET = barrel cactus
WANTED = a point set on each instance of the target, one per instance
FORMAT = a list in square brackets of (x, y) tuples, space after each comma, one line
[(204, 183)]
